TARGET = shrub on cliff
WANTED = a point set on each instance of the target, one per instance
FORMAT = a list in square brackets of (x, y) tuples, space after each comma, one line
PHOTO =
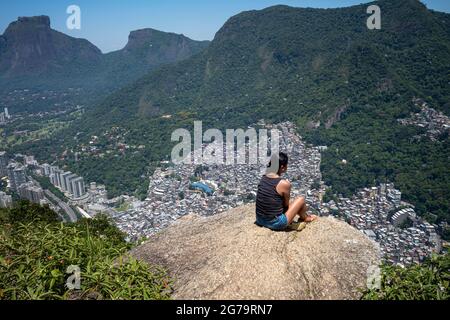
[(35, 254), (427, 281)]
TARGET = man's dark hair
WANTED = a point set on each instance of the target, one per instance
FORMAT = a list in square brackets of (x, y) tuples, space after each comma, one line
[(282, 159)]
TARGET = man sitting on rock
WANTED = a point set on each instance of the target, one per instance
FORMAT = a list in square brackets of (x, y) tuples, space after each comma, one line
[(274, 210)]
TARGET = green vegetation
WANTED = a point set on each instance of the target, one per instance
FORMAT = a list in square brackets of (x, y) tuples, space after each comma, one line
[(36, 250), (378, 150), (428, 281), (36, 128), (47, 185), (123, 207), (38, 133)]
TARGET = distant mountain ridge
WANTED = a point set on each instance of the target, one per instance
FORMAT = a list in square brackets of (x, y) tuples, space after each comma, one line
[(164, 46), (145, 50), (32, 55), (29, 45)]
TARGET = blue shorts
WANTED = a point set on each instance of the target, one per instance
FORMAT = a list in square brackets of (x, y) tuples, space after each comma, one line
[(277, 223)]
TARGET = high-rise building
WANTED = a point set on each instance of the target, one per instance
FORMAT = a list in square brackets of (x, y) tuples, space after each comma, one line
[(16, 175), (3, 164), (46, 169), (5, 200), (68, 182), (37, 194), (53, 179), (52, 172), (53, 169), (63, 180), (78, 187), (2, 118), (58, 179), (31, 192), (7, 116)]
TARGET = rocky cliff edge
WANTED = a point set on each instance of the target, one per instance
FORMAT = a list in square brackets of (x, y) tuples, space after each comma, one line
[(227, 256)]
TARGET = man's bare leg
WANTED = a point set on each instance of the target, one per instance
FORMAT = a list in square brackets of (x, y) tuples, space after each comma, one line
[(299, 207)]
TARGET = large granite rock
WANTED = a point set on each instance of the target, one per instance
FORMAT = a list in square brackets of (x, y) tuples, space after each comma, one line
[(227, 256)]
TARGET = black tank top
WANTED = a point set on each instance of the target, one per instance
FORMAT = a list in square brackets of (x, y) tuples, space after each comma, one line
[(268, 202)]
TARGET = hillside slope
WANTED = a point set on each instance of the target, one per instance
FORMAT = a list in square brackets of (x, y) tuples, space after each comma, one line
[(307, 63), (227, 256)]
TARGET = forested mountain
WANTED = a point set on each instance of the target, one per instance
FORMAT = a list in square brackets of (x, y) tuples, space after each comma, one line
[(147, 49), (34, 56), (344, 85), (308, 62)]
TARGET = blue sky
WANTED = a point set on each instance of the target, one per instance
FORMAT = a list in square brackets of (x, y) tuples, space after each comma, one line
[(107, 23)]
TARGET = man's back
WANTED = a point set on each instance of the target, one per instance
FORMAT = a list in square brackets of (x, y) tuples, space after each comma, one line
[(269, 203)]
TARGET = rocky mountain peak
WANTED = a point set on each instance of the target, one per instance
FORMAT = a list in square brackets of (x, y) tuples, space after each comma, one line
[(28, 24), (36, 20)]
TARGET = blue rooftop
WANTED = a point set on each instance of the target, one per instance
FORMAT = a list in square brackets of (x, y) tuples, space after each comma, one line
[(203, 187)]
